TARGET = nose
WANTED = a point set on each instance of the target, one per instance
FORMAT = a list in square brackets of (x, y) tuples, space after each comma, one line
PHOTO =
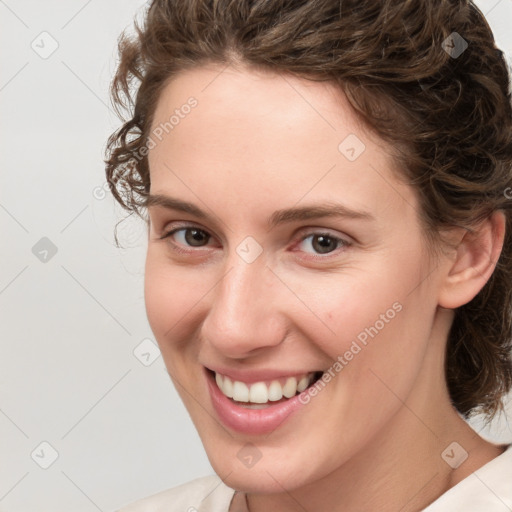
[(245, 314)]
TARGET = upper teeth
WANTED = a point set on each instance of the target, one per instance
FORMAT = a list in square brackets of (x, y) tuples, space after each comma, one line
[(262, 392)]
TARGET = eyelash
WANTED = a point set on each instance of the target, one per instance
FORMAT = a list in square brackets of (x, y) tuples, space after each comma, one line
[(340, 242)]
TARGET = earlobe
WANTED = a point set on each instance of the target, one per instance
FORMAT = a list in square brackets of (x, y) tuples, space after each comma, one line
[(474, 262)]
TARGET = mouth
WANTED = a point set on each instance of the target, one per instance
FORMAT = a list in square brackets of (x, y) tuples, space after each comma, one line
[(258, 407), (264, 393)]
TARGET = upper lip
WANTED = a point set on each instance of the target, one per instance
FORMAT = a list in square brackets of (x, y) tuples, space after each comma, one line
[(257, 375)]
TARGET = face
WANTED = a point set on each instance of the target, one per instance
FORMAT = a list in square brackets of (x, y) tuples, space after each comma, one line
[(282, 245)]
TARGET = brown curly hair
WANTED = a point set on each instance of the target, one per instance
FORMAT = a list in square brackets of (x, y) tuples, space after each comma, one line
[(407, 72)]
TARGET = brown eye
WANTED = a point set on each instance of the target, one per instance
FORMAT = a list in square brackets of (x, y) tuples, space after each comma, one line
[(321, 243), (324, 244), (196, 237), (191, 237)]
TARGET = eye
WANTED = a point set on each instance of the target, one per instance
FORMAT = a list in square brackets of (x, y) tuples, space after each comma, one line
[(191, 236), (321, 243)]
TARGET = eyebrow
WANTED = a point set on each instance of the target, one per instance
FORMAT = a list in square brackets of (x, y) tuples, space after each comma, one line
[(308, 212)]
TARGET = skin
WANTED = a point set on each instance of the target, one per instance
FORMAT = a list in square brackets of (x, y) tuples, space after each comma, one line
[(256, 143)]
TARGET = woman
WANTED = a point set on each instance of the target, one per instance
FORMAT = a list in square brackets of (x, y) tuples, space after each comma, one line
[(329, 268)]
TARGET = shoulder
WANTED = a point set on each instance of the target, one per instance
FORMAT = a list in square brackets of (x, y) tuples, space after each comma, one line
[(489, 488), (203, 494)]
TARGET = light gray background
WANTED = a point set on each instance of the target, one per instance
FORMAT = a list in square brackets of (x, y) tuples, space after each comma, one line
[(70, 324)]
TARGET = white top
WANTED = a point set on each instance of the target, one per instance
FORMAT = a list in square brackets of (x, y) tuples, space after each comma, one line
[(489, 489)]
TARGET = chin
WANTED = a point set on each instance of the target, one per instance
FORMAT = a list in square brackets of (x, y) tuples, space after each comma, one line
[(271, 473)]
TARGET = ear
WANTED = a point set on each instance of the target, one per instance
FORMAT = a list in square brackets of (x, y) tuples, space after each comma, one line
[(474, 261)]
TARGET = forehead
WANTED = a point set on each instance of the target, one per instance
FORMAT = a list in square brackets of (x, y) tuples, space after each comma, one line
[(275, 136), (263, 102)]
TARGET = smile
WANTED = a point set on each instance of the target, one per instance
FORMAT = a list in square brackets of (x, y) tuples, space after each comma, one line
[(263, 392), (257, 403)]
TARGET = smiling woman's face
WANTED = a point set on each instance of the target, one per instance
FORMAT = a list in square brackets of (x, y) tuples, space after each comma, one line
[(294, 249)]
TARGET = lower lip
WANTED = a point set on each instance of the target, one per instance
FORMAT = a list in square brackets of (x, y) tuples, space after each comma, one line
[(250, 421)]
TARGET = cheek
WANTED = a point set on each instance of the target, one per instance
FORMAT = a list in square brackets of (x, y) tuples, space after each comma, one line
[(377, 316), (346, 307), (171, 292)]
